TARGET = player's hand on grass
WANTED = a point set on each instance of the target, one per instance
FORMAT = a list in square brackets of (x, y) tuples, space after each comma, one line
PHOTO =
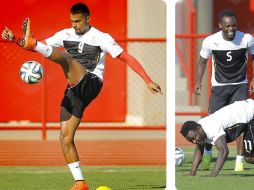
[(192, 173), (7, 34), (251, 90), (186, 174), (198, 87), (154, 88)]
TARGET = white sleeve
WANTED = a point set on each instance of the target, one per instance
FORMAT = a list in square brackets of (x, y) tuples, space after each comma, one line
[(212, 127), (56, 40), (219, 133), (250, 42), (205, 51), (109, 45)]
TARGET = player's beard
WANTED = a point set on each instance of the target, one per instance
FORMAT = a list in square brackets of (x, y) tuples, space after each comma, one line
[(78, 31)]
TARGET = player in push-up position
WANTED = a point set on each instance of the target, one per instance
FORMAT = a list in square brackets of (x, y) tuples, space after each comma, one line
[(220, 128), (84, 81), (229, 49)]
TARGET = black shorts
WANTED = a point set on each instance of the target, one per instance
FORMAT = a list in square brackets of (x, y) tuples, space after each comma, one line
[(248, 140), (225, 95), (235, 131), (77, 98)]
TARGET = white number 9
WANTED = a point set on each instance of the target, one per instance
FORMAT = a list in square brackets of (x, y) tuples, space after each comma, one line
[(80, 47)]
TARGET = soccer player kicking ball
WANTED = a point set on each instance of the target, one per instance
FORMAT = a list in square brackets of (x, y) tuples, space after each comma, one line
[(220, 128), (84, 83)]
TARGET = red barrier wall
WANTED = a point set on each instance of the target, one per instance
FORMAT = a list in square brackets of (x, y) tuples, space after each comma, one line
[(20, 101)]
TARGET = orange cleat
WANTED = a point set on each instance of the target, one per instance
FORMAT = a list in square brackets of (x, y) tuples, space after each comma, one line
[(28, 41), (80, 185)]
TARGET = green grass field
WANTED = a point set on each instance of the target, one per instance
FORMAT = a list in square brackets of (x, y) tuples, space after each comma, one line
[(226, 180), (59, 178)]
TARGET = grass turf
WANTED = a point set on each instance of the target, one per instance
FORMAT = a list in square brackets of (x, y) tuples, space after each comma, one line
[(227, 179), (59, 178)]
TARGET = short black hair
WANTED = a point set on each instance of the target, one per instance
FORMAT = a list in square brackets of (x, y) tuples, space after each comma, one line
[(80, 8), (188, 126), (227, 12)]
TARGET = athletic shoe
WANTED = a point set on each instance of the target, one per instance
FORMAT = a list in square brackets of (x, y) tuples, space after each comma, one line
[(206, 161), (28, 41), (239, 167), (80, 185)]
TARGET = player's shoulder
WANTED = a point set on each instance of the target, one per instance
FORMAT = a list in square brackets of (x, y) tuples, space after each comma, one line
[(245, 36), (98, 33), (205, 120), (214, 35), (99, 37), (213, 123), (240, 33), (207, 123), (212, 38), (66, 32)]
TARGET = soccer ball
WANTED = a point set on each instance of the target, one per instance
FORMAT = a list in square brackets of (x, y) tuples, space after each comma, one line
[(31, 72), (179, 157), (103, 188)]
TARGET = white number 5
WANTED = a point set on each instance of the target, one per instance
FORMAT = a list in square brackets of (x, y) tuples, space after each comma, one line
[(229, 56)]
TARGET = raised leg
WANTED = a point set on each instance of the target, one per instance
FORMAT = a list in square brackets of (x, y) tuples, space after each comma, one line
[(73, 70)]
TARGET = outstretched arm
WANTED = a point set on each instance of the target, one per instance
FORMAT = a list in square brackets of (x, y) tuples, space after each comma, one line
[(137, 67), (221, 145), (7, 34)]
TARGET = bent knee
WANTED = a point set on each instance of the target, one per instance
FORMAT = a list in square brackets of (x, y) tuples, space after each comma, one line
[(66, 138)]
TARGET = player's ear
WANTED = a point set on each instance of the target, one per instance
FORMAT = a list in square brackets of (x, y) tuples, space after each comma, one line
[(199, 128), (87, 18), (220, 26)]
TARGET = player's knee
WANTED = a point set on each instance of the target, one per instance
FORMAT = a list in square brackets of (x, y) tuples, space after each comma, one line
[(249, 160), (66, 139)]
